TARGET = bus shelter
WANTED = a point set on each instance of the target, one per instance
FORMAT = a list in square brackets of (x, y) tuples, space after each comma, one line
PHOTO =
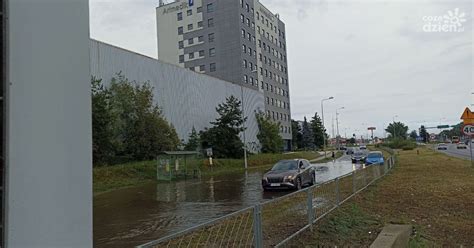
[(173, 165)]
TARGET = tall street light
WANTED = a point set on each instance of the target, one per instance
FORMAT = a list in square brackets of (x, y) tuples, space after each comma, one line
[(394, 127), (337, 126), (324, 127)]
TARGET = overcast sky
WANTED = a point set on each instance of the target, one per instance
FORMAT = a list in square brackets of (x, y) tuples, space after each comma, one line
[(374, 57)]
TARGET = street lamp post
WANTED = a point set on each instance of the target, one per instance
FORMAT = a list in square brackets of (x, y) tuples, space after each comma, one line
[(324, 127), (394, 127), (337, 127)]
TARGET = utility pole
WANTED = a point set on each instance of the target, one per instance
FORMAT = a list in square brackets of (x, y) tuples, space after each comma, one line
[(243, 125)]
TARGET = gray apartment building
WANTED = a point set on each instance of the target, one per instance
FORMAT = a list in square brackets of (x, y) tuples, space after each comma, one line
[(239, 41)]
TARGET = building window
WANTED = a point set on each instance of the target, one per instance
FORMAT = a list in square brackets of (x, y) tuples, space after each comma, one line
[(180, 16), (258, 15), (191, 68), (191, 41), (200, 25), (250, 51), (201, 53), (212, 67), (246, 80), (202, 68), (180, 30), (261, 85), (243, 33), (199, 9), (247, 7), (180, 44), (189, 12), (181, 58), (267, 86), (248, 22), (244, 48), (242, 3), (261, 71), (210, 22), (251, 80), (244, 63), (250, 65), (212, 52), (210, 8), (249, 36), (242, 18), (191, 55), (190, 26), (201, 38), (210, 37)]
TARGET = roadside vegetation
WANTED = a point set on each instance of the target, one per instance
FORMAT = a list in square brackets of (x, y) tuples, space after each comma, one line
[(429, 190)]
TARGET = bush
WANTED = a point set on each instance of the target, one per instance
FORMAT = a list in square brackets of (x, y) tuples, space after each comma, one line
[(402, 144)]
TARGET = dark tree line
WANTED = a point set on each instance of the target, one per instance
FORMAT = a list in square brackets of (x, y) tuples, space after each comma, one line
[(308, 135), (126, 124)]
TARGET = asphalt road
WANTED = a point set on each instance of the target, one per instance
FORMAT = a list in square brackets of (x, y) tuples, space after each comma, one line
[(459, 153)]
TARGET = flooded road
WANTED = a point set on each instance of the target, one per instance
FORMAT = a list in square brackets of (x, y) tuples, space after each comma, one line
[(133, 216)]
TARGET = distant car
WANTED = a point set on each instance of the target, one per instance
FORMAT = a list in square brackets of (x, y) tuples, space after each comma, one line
[(358, 157), (461, 146), (442, 146), (375, 157), (350, 151), (289, 174), (362, 147)]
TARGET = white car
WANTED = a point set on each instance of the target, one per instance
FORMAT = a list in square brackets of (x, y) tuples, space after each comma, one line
[(461, 146), (442, 146)]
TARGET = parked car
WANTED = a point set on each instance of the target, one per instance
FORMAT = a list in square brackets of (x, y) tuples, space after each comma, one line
[(358, 156), (289, 174), (362, 147), (461, 146), (375, 157), (442, 146)]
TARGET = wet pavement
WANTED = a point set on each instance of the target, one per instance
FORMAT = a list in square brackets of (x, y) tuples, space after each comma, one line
[(133, 216)]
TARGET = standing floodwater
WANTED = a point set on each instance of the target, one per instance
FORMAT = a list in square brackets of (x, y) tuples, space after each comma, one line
[(132, 216)]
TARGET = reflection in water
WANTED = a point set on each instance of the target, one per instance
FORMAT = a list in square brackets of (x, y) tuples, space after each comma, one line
[(128, 217)]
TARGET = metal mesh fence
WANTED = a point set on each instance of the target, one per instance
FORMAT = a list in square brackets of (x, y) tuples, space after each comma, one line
[(276, 222), (234, 230), (286, 214)]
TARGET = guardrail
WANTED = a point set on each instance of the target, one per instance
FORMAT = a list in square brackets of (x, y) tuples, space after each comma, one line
[(276, 222)]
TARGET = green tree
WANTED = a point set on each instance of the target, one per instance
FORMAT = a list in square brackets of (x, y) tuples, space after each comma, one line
[(318, 130), (297, 136), (103, 121), (224, 137), (397, 130), (424, 134), (194, 141), (455, 131), (308, 137), (413, 135), (268, 134)]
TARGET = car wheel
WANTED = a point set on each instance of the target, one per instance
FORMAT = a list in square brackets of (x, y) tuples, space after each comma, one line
[(298, 184)]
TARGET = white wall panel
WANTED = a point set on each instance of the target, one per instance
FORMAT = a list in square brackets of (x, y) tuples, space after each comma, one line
[(49, 136), (187, 98)]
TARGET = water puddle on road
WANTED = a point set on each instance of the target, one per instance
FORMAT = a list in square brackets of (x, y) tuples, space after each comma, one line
[(133, 216)]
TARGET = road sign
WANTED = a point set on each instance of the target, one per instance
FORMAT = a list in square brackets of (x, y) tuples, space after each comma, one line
[(468, 129), (467, 116), (371, 128)]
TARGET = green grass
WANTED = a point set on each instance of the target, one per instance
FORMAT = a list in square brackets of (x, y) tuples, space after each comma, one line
[(135, 173)]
